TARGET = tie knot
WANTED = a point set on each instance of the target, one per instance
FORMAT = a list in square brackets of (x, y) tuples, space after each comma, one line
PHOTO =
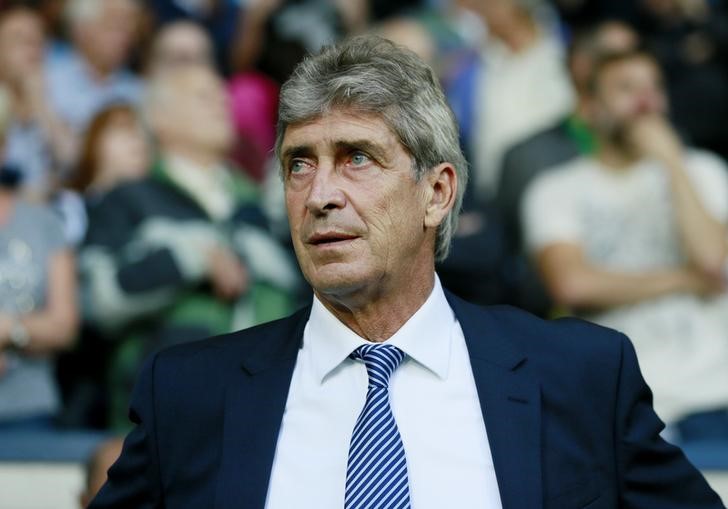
[(381, 360)]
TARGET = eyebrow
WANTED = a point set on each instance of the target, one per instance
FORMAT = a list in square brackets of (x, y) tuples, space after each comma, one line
[(373, 149)]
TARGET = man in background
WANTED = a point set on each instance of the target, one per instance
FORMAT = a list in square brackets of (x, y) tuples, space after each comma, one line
[(634, 238)]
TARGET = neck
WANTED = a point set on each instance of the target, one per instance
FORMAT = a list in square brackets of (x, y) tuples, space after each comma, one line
[(201, 158), (615, 157), (377, 314)]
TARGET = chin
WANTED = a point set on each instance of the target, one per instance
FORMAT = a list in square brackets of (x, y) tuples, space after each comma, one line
[(339, 278)]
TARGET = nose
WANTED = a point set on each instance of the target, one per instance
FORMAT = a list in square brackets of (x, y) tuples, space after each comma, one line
[(325, 193)]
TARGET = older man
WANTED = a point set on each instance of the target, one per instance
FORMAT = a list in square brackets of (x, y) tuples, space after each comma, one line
[(387, 392), (184, 253)]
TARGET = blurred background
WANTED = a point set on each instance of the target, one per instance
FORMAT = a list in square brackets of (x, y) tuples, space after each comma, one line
[(141, 206)]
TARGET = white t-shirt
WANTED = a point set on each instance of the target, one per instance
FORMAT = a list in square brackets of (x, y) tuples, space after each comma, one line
[(625, 222)]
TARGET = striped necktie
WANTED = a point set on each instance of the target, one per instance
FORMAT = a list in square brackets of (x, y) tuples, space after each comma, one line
[(376, 475)]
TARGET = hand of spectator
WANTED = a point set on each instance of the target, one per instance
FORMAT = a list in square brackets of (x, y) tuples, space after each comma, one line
[(652, 136), (228, 275)]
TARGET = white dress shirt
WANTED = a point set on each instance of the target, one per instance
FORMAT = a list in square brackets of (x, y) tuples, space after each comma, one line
[(433, 398)]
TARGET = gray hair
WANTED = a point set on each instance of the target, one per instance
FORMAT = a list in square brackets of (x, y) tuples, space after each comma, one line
[(373, 75)]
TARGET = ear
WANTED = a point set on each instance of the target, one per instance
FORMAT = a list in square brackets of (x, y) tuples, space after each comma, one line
[(442, 187)]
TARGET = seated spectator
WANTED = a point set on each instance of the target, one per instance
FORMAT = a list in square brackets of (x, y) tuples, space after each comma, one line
[(96, 467), (521, 85), (184, 253), (114, 151), (555, 145), (218, 18), (38, 315), (37, 141), (93, 74), (634, 238)]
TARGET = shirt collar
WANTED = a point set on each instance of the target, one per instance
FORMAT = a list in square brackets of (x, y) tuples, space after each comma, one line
[(426, 337)]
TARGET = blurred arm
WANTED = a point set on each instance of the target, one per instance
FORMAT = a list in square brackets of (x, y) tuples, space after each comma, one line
[(54, 327), (576, 283)]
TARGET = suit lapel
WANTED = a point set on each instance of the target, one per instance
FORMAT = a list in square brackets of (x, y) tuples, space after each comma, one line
[(510, 400), (255, 399)]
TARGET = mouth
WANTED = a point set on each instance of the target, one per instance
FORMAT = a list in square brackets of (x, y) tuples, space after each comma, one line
[(330, 239)]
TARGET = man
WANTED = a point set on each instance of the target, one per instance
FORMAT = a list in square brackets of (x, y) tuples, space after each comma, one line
[(556, 145), (489, 408), (93, 73), (634, 238), (185, 253)]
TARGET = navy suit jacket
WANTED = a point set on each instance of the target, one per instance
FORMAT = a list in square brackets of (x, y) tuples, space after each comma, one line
[(568, 414)]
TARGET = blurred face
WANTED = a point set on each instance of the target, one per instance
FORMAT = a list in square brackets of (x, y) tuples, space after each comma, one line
[(356, 211), (107, 40), (179, 45), (612, 37), (124, 152), (625, 91), (21, 45), (198, 114)]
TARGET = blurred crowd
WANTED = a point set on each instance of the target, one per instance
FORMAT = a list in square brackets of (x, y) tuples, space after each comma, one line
[(140, 204)]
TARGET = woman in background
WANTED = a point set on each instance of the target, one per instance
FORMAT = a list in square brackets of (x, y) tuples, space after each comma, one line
[(38, 308)]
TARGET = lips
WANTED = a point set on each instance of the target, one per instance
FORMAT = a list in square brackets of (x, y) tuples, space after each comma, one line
[(330, 238)]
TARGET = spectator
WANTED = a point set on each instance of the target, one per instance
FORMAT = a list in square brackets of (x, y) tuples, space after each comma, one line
[(98, 464), (555, 145), (93, 75), (184, 253), (218, 18), (115, 150), (38, 315), (521, 86), (634, 237), (37, 140)]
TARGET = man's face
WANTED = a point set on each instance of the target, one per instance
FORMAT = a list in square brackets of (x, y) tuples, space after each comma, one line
[(181, 45), (199, 114), (21, 45), (356, 211), (625, 91), (108, 39)]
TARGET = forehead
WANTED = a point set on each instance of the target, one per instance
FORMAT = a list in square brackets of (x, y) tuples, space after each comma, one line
[(340, 125), (638, 69)]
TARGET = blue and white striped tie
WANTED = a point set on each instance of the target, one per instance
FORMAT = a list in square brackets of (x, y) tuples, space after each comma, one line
[(376, 476)]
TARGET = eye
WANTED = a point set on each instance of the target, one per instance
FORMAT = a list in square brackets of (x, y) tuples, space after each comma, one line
[(298, 166), (359, 159)]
